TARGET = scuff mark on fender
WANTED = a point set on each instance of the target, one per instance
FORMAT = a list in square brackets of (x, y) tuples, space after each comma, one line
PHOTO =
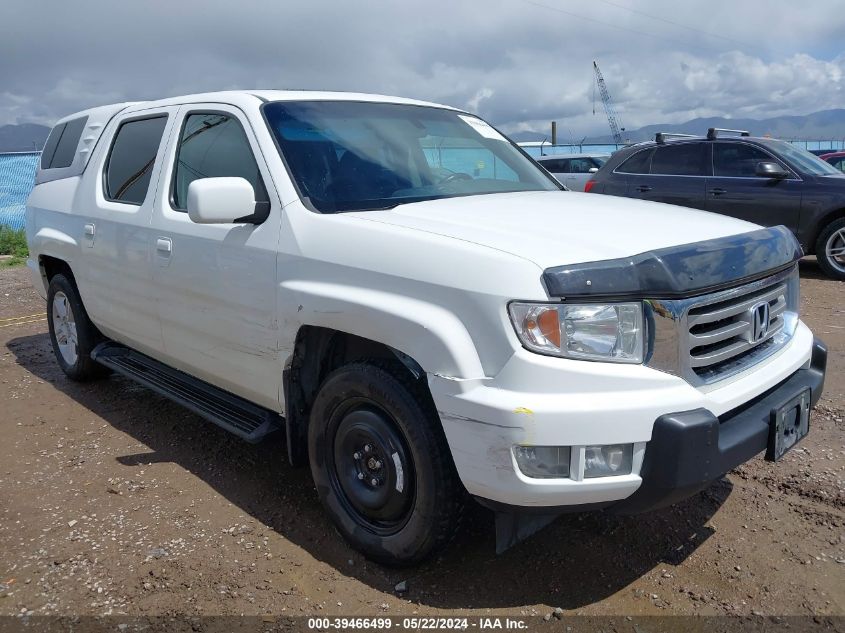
[(462, 418), (523, 411)]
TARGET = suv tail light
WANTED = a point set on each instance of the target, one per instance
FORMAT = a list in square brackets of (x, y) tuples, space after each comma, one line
[(589, 186)]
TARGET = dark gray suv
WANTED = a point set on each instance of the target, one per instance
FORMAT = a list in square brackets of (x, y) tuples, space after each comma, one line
[(762, 180)]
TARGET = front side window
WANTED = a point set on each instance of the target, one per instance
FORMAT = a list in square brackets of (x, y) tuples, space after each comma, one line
[(129, 167), (356, 156), (686, 159), (738, 160), (213, 145), (801, 159)]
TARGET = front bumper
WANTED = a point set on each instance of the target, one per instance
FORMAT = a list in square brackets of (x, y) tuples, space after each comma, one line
[(689, 450), (542, 401)]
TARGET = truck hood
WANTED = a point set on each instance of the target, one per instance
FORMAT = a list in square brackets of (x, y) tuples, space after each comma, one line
[(552, 228)]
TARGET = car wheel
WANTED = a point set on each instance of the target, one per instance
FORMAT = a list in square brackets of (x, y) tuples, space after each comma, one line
[(381, 464), (71, 331), (830, 249)]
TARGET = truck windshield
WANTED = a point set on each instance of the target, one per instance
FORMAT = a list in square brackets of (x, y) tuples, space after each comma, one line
[(355, 156)]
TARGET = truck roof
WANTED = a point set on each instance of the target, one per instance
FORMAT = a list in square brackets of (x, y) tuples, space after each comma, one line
[(96, 119), (247, 98)]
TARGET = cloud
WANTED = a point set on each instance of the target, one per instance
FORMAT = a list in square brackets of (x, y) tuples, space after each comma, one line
[(517, 63)]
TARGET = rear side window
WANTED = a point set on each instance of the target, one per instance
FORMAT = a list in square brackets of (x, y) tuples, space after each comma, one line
[(686, 159), (738, 160), (60, 148), (129, 167), (214, 145), (636, 164)]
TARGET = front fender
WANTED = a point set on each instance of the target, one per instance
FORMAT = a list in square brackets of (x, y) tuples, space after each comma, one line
[(432, 335)]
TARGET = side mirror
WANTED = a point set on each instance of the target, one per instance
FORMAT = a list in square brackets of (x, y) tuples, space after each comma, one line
[(771, 170), (220, 200), (592, 170)]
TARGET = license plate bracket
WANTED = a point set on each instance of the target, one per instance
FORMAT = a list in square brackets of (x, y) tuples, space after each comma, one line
[(788, 423)]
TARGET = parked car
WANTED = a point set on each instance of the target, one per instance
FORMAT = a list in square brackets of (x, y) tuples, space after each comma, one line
[(301, 262), (820, 152), (762, 180), (573, 170), (837, 159)]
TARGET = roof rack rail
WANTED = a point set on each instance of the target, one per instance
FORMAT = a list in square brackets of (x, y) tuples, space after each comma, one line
[(662, 137), (714, 132)]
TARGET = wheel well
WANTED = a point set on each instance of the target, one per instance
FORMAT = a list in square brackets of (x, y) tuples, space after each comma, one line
[(51, 266), (317, 352), (830, 217)]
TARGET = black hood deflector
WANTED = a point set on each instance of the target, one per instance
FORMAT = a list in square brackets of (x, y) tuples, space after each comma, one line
[(679, 271)]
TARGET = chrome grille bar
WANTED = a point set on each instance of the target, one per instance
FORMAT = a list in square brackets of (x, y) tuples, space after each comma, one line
[(714, 336)]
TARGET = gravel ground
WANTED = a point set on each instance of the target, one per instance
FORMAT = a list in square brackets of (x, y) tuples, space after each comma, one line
[(115, 501)]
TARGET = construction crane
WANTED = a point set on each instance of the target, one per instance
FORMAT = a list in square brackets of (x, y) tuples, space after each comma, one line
[(608, 105)]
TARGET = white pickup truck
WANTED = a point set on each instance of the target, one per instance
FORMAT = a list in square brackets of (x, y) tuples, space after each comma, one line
[(424, 312)]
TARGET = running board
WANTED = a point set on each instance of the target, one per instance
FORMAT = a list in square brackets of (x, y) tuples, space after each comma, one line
[(236, 415)]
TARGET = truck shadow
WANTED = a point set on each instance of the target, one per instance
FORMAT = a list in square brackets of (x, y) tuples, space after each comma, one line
[(579, 560), (809, 268)]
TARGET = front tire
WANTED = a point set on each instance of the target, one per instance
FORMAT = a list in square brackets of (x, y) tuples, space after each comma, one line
[(830, 249), (71, 331), (381, 464)]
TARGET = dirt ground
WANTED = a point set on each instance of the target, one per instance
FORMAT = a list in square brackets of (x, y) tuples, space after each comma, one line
[(115, 501)]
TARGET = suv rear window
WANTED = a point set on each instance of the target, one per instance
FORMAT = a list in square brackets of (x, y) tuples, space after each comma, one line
[(130, 163), (636, 164), (60, 148), (685, 159)]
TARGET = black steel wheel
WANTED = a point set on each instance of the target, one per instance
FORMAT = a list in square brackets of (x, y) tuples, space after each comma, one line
[(370, 466), (381, 463)]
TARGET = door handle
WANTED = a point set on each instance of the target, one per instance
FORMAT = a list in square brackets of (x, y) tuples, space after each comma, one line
[(164, 245), (89, 230), (718, 191), (643, 188)]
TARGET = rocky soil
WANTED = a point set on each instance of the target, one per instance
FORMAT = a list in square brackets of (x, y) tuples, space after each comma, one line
[(116, 501)]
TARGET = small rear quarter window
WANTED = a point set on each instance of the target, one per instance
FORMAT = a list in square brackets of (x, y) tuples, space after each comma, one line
[(50, 145), (68, 143)]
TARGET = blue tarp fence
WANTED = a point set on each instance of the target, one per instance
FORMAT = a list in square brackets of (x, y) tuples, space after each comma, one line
[(17, 177)]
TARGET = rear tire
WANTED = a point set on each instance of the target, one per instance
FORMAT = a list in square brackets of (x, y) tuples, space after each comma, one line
[(381, 464), (71, 331), (830, 249)]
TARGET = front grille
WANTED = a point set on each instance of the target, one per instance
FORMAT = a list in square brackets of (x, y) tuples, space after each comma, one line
[(719, 336)]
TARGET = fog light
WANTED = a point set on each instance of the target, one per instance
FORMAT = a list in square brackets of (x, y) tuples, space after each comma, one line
[(608, 460), (543, 462)]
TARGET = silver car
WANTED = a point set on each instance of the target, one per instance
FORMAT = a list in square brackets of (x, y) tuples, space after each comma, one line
[(573, 170)]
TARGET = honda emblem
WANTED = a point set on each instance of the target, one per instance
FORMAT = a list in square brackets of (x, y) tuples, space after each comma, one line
[(760, 321)]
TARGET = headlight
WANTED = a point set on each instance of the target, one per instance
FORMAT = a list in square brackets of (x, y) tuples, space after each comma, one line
[(593, 331)]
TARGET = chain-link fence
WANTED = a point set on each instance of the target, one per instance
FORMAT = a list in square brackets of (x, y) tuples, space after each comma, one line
[(17, 177)]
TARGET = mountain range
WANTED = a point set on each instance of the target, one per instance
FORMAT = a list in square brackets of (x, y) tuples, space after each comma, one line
[(827, 125), (26, 137)]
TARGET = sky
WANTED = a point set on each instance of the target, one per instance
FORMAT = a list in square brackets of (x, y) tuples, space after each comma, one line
[(517, 63)]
